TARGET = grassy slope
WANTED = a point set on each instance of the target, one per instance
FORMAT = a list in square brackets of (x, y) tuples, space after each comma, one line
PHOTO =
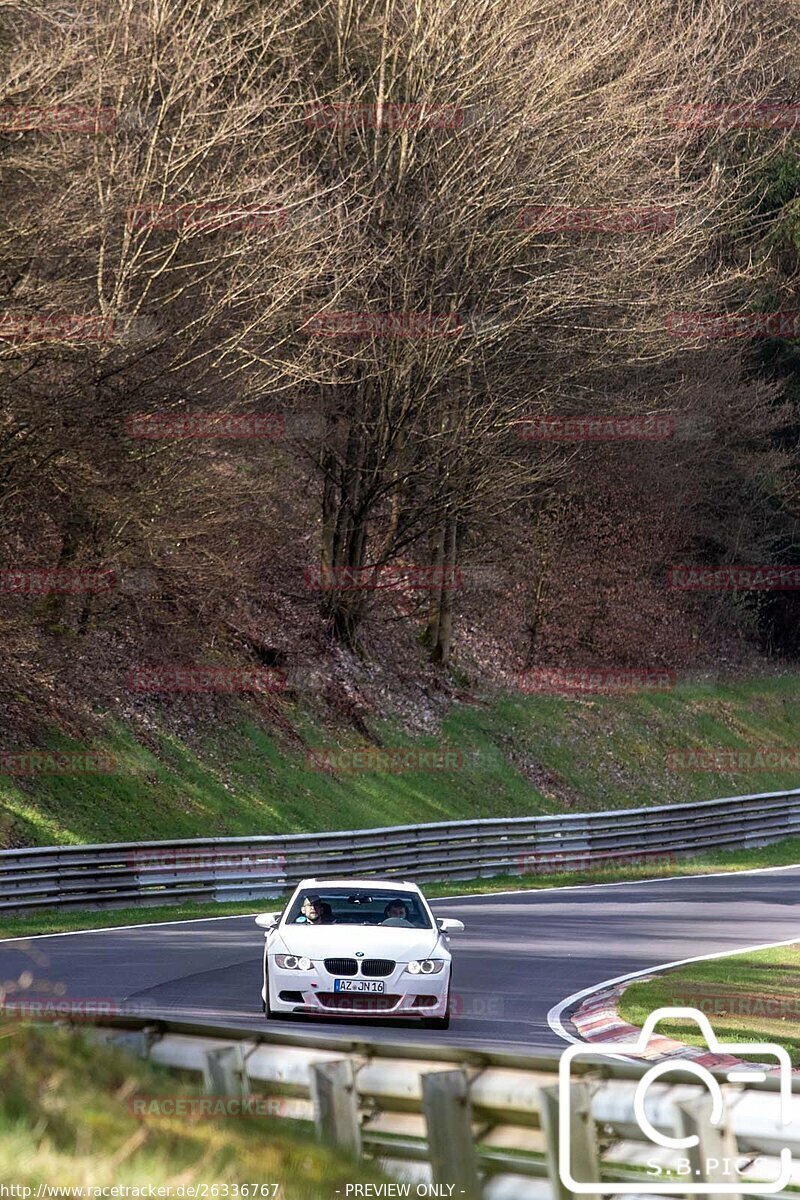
[(65, 1121), (785, 853), (747, 997), (593, 753)]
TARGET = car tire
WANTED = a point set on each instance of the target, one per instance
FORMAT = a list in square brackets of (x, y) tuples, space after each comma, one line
[(438, 1022)]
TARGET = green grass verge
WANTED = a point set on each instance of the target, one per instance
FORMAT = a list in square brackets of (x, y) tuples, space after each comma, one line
[(784, 853), (753, 997), (522, 755), (66, 1120)]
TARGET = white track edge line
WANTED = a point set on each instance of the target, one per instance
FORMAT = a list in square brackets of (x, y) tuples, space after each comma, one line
[(554, 1015)]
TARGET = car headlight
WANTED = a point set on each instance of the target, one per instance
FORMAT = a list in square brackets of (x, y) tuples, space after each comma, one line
[(290, 962), (425, 966)]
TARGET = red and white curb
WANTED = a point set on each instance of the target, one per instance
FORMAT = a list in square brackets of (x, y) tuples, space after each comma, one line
[(597, 1019)]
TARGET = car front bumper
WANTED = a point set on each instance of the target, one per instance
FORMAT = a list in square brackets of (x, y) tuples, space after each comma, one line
[(404, 995)]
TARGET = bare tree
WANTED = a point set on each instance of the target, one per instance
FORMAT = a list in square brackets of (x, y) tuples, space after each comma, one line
[(444, 133)]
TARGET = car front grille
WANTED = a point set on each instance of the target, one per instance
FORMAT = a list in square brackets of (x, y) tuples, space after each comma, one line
[(341, 966), (357, 1002), (376, 967)]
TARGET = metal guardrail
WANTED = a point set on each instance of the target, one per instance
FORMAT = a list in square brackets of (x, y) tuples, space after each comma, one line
[(485, 1124), (245, 868)]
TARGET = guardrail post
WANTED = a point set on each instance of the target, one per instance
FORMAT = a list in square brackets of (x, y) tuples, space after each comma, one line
[(224, 1073), (714, 1158), (333, 1092), (448, 1120), (584, 1158)]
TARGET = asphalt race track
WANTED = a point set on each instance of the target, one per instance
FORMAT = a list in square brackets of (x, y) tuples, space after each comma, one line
[(520, 956)]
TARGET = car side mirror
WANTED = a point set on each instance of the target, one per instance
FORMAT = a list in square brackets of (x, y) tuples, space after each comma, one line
[(449, 925), (268, 920)]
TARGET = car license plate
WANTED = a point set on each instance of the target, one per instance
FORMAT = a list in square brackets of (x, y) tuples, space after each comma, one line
[(359, 985)]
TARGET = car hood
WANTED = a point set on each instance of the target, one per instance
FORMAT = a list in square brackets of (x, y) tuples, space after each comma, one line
[(335, 941)]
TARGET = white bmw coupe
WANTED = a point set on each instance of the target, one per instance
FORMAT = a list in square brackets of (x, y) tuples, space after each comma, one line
[(357, 947)]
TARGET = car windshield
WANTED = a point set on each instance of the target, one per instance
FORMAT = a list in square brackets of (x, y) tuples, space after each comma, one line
[(362, 906)]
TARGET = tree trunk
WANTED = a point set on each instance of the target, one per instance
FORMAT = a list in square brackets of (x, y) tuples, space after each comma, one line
[(435, 562), (344, 540), (441, 629)]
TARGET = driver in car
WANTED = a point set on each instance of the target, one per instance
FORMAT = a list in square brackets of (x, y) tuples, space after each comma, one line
[(313, 912), (396, 911)]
